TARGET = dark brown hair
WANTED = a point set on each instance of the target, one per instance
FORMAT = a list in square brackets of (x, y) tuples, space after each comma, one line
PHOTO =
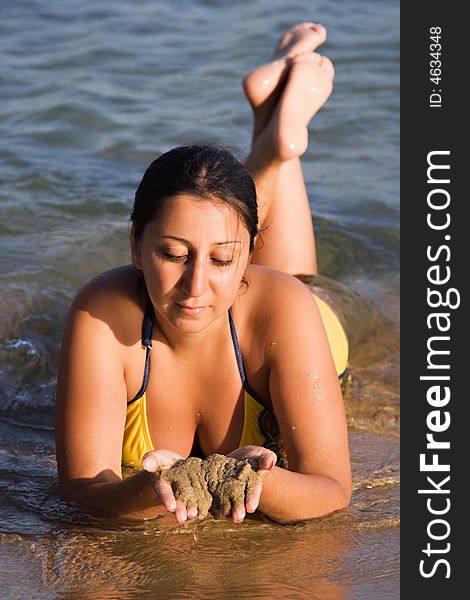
[(204, 171)]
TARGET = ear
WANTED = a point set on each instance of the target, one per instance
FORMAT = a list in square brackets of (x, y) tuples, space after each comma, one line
[(256, 239), (135, 250)]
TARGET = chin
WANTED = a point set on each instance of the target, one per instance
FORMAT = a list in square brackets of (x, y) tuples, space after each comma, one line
[(195, 320), (180, 316), (190, 325)]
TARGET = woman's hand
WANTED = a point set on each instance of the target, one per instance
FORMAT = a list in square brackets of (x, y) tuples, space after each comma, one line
[(260, 459), (263, 462), (157, 461)]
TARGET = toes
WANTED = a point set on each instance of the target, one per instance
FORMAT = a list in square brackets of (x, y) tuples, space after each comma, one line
[(321, 31), (307, 57), (305, 24), (302, 37), (316, 59), (328, 65)]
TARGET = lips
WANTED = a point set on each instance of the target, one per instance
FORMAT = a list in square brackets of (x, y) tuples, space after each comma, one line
[(190, 305), (192, 310)]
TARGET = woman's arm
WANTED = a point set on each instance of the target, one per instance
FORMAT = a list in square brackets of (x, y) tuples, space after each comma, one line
[(91, 411), (289, 496), (132, 498), (308, 403)]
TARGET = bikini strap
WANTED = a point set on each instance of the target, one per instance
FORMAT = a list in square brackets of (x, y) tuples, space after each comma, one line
[(241, 366), (147, 326)]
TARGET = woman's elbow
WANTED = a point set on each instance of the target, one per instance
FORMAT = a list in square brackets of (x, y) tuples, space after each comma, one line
[(345, 499), (345, 492)]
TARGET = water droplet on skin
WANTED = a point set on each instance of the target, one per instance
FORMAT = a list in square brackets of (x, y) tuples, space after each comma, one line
[(170, 427), (292, 146), (314, 90), (265, 83), (293, 427), (272, 343)]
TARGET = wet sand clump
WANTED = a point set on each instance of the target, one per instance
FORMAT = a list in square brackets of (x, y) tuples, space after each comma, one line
[(213, 485)]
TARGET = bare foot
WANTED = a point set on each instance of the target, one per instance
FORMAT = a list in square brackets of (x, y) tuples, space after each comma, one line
[(304, 37), (264, 84), (308, 86)]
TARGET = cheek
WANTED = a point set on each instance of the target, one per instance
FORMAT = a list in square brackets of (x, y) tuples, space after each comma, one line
[(231, 281), (242, 264), (159, 279)]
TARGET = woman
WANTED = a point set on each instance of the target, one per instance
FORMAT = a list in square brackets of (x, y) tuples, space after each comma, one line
[(207, 343)]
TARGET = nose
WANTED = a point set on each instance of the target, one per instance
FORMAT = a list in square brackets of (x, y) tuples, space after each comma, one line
[(195, 279)]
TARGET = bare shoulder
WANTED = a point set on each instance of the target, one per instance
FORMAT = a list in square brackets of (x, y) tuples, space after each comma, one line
[(119, 283), (270, 294), (111, 297), (273, 302)]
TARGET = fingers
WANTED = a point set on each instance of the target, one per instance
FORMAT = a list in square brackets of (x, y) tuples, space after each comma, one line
[(157, 460), (179, 495), (261, 459), (165, 492), (253, 497), (181, 512), (150, 462), (267, 461), (192, 512), (245, 452), (184, 512), (238, 513)]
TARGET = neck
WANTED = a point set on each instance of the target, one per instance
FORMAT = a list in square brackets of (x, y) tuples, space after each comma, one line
[(187, 343)]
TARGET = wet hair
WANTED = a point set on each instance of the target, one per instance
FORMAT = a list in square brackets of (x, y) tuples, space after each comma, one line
[(205, 171)]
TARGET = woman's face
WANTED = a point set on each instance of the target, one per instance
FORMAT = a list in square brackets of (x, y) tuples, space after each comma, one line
[(193, 257)]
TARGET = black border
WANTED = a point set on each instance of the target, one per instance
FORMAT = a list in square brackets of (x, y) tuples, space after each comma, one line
[(425, 129)]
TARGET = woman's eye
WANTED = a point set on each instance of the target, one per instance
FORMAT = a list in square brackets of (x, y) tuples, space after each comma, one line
[(181, 258), (173, 258), (221, 263)]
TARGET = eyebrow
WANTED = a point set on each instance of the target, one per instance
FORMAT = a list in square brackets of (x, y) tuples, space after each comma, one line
[(180, 239)]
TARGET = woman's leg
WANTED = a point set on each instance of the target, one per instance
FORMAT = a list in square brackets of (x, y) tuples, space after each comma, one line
[(285, 94)]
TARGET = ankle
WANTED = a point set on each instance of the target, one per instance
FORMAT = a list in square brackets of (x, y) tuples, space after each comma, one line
[(260, 164)]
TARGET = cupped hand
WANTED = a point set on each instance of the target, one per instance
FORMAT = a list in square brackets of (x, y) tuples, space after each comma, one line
[(157, 461), (263, 462)]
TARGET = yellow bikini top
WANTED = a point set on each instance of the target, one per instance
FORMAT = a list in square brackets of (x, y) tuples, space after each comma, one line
[(260, 427)]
